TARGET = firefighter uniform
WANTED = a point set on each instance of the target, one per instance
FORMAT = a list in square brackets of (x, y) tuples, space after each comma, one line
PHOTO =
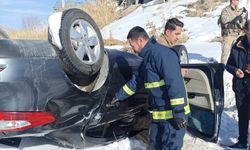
[(160, 73)]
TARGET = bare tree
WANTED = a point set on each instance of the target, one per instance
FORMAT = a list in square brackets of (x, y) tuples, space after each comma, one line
[(31, 23)]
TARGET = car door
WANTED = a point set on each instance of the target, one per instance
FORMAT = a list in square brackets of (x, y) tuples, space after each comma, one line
[(204, 84)]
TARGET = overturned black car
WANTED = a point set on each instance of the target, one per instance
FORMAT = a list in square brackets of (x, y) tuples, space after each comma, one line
[(61, 91)]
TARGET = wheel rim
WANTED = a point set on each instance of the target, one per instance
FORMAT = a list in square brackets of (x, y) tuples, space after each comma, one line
[(85, 42), (183, 57)]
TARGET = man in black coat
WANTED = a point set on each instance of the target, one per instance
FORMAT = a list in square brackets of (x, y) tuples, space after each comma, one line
[(239, 66)]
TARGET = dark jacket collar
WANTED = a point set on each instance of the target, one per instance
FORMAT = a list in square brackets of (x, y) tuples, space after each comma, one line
[(147, 47), (242, 43)]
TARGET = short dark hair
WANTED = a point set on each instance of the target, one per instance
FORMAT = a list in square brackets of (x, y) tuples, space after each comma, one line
[(172, 23), (231, 1), (137, 32), (247, 25)]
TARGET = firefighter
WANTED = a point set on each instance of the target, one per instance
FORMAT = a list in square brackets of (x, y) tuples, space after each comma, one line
[(160, 73), (231, 20)]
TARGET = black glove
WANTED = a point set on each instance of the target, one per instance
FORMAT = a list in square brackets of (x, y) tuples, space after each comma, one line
[(114, 103), (181, 122)]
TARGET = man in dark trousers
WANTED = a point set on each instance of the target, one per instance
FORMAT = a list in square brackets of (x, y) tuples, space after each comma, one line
[(160, 73), (239, 66)]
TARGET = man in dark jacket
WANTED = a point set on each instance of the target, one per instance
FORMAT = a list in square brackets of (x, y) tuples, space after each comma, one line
[(239, 66), (160, 73)]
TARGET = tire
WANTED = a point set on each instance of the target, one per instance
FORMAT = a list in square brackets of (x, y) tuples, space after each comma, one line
[(3, 34), (82, 44), (182, 53)]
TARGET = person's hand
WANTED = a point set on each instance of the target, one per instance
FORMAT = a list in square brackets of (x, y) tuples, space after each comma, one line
[(239, 73), (239, 13), (181, 122), (247, 70), (114, 103), (184, 72)]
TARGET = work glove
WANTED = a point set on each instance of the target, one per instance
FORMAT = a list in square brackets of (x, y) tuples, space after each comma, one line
[(114, 103), (181, 122)]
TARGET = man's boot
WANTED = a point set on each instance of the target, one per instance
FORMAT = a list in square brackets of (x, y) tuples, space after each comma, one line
[(239, 145)]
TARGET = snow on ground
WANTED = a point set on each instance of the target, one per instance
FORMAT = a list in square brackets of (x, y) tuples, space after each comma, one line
[(142, 15), (200, 31), (45, 144)]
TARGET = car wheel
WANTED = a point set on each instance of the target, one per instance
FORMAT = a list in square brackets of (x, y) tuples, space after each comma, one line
[(82, 44), (182, 53), (3, 34)]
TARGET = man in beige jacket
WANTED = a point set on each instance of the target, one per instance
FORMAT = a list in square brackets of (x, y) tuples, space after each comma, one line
[(231, 20), (171, 35), (172, 32)]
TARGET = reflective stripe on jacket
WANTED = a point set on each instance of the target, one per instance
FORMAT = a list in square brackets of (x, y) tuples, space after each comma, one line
[(167, 114)]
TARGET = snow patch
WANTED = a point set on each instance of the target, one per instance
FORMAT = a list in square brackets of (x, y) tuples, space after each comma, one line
[(54, 28)]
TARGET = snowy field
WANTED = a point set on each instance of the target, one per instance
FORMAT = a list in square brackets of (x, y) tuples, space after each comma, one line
[(200, 31)]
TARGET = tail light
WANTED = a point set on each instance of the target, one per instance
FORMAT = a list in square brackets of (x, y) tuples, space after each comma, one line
[(18, 121)]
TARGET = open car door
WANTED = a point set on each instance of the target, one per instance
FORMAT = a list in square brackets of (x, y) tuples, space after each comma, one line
[(204, 84)]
